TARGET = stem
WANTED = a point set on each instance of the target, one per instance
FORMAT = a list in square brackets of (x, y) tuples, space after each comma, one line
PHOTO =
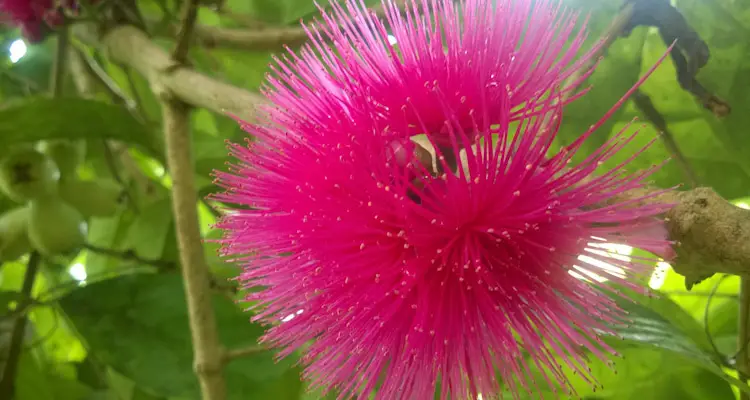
[(743, 363), (619, 24), (185, 34), (206, 347), (644, 103), (254, 38), (130, 255), (243, 352), (59, 69), (7, 384)]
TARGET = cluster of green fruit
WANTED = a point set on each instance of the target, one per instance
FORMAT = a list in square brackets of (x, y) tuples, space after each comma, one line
[(55, 202)]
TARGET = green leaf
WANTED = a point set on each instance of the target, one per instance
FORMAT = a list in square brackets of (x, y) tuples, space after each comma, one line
[(34, 383), (138, 325), (108, 233), (658, 323), (715, 147), (36, 119), (147, 235)]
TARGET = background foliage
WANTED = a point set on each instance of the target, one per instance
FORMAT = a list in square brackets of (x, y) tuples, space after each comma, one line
[(110, 321)]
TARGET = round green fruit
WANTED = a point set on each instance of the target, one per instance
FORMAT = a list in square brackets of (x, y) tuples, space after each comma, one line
[(26, 174), (55, 227), (14, 239), (97, 198), (66, 154)]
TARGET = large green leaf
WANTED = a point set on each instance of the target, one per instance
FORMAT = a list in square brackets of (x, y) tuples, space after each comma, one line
[(40, 118), (138, 325), (657, 323), (147, 235), (33, 382), (663, 354)]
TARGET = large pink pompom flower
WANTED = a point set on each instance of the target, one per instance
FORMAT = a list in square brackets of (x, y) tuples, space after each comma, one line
[(406, 280)]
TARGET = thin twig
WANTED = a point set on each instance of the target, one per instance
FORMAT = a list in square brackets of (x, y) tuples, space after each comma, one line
[(133, 88), (615, 30), (706, 319), (92, 68), (185, 34), (7, 383), (232, 354), (60, 67), (130, 255), (644, 103), (109, 159)]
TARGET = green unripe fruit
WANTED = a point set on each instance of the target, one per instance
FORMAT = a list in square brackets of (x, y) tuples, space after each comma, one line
[(26, 174), (97, 198), (55, 227), (66, 154), (14, 239)]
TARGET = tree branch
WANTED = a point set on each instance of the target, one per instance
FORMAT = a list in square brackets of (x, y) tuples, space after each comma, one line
[(690, 52), (616, 29), (131, 255), (207, 349), (60, 67), (711, 234), (8, 381), (130, 46), (230, 355), (644, 103), (86, 74), (185, 34), (85, 67), (259, 38)]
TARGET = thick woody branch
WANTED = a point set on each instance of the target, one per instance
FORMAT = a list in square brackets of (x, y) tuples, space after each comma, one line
[(207, 349), (264, 39), (711, 234), (130, 46), (260, 39), (87, 76), (208, 353)]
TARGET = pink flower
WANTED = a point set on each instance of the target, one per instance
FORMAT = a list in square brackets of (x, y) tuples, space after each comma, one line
[(403, 280), (34, 17), (27, 15)]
